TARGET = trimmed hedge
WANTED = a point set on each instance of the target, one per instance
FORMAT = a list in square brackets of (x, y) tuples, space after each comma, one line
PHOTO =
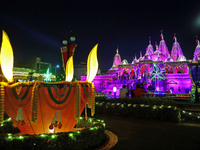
[(148, 101), (88, 138), (140, 108)]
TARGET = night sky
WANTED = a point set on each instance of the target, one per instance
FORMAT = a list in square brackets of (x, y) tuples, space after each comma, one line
[(38, 28)]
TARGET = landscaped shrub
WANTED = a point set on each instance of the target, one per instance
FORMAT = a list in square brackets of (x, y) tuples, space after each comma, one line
[(142, 111), (88, 138), (148, 101)]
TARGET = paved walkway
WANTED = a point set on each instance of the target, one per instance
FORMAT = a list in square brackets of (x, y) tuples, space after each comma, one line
[(152, 135)]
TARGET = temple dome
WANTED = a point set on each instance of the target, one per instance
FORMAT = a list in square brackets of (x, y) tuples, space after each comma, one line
[(197, 52), (124, 62), (176, 50), (156, 53), (182, 58), (163, 47), (147, 57), (135, 60), (158, 58), (141, 58), (117, 59), (169, 59)]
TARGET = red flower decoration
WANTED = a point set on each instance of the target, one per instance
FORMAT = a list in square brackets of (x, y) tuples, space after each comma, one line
[(51, 127), (60, 125), (55, 124), (22, 123)]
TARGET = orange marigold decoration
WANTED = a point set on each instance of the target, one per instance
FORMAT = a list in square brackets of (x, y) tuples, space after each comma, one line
[(77, 100), (34, 102), (2, 97), (92, 99)]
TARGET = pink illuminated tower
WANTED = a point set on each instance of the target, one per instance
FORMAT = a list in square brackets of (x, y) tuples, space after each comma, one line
[(117, 59), (149, 49), (176, 52), (163, 47), (197, 52)]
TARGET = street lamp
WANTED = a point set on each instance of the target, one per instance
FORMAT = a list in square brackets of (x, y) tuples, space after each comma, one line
[(115, 91), (57, 66)]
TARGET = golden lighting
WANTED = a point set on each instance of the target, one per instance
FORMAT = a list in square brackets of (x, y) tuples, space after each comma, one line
[(7, 57), (69, 69), (92, 64)]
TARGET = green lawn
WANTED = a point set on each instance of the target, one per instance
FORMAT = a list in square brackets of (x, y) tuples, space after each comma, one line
[(155, 135)]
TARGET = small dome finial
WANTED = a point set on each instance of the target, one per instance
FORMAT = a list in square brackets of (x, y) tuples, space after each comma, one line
[(117, 51), (175, 39), (197, 40), (141, 54), (156, 45), (161, 35), (149, 40)]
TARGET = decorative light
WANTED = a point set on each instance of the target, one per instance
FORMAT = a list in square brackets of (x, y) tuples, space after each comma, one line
[(69, 69), (53, 136), (51, 130), (72, 38), (21, 137), (157, 73), (114, 89), (92, 64), (47, 76), (7, 57)]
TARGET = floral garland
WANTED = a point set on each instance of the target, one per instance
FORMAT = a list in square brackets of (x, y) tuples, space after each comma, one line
[(92, 99), (35, 96), (64, 90), (91, 102), (2, 94), (2, 97), (77, 100), (34, 102)]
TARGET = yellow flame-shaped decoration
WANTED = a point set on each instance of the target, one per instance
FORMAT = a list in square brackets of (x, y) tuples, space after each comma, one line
[(7, 58), (92, 64), (69, 69)]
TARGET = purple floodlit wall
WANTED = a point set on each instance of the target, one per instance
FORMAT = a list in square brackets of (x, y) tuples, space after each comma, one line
[(176, 81)]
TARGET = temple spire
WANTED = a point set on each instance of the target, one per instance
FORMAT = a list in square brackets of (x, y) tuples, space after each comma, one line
[(156, 46), (117, 51), (149, 40), (161, 35), (197, 40), (175, 39)]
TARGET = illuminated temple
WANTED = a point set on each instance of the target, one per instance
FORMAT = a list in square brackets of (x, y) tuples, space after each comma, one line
[(159, 70)]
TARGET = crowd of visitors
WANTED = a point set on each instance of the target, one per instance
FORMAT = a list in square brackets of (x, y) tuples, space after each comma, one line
[(135, 93)]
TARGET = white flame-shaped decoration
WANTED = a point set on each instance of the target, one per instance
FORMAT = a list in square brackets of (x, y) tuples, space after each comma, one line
[(69, 69), (7, 58), (92, 64)]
